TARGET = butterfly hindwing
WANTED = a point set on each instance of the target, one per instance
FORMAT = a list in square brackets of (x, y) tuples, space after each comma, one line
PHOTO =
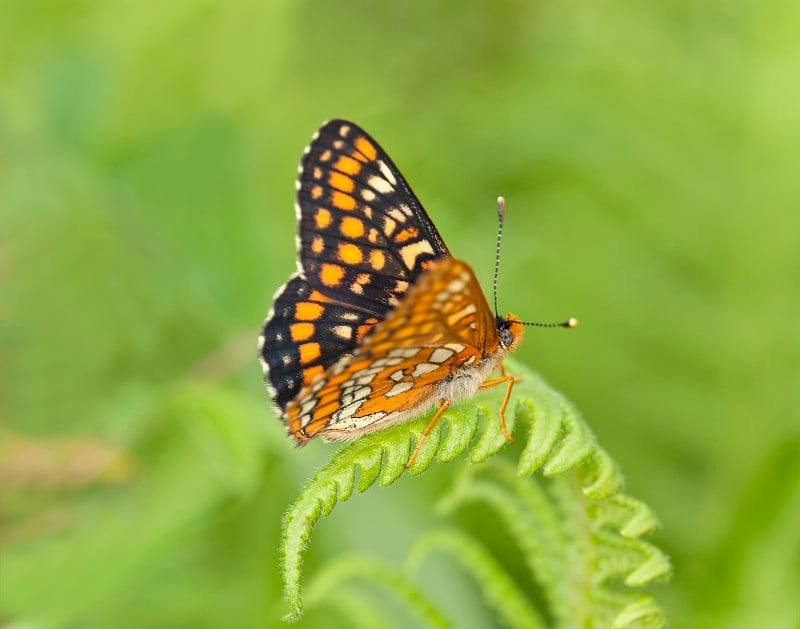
[(364, 236), (305, 334), (442, 324)]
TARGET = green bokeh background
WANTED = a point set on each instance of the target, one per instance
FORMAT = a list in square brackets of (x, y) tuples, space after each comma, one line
[(648, 153)]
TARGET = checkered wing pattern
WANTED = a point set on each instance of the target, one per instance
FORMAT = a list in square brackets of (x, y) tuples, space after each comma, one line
[(440, 332), (363, 235), (363, 239)]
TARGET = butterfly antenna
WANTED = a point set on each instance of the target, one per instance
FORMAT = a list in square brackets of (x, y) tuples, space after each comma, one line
[(572, 322), (501, 212)]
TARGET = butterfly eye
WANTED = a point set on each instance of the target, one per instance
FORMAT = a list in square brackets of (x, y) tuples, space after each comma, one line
[(506, 338)]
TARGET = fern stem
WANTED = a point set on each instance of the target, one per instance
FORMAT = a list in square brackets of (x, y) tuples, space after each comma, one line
[(498, 587), (330, 579)]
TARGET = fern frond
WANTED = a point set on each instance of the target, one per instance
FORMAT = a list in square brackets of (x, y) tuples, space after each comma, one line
[(326, 586), (499, 589), (558, 441), (575, 551), (356, 608)]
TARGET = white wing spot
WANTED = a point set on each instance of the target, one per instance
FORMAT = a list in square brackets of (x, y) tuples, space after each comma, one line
[(387, 172), (404, 352), (386, 362), (464, 312), (400, 387), (397, 375), (365, 379), (344, 130), (343, 332), (356, 395), (424, 368), (440, 354), (348, 411), (397, 215), (456, 347), (307, 407), (411, 252), (368, 195), (380, 184), (456, 286)]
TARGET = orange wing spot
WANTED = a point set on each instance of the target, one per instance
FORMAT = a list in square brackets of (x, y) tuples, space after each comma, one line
[(317, 245), (347, 165), (365, 146), (331, 274), (309, 352), (373, 235), (427, 264), (301, 331), (311, 373), (316, 192), (317, 172), (341, 182), (317, 296), (364, 278), (352, 227), (350, 254), (322, 217), (407, 234), (377, 259), (342, 201), (307, 311), (364, 328)]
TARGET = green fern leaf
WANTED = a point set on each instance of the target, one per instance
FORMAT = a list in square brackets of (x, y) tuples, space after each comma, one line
[(327, 587), (582, 523)]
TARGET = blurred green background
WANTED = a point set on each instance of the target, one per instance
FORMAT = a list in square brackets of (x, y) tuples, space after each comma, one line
[(648, 155)]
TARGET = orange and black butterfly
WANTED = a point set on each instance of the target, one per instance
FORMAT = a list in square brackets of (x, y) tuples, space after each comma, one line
[(380, 323)]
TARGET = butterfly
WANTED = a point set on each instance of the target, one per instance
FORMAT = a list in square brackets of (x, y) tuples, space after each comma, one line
[(380, 323)]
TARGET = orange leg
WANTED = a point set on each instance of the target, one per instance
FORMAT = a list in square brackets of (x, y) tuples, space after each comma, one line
[(442, 408), (510, 381)]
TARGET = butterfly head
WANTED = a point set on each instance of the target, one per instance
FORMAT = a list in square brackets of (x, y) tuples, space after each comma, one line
[(509, 331)]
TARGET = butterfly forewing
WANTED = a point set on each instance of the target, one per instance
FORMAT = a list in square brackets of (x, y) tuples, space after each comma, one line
[(364, 236), (363, 240)]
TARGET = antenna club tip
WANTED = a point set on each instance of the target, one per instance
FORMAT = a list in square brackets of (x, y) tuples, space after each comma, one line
[(572, 323), (501, 205)]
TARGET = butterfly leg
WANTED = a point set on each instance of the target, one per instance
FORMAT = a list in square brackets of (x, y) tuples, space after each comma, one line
[(442, 408), (510, 381)]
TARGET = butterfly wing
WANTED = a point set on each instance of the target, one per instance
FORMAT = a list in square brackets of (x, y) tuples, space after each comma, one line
[(364, 237), (305, 333), (443, 325)]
